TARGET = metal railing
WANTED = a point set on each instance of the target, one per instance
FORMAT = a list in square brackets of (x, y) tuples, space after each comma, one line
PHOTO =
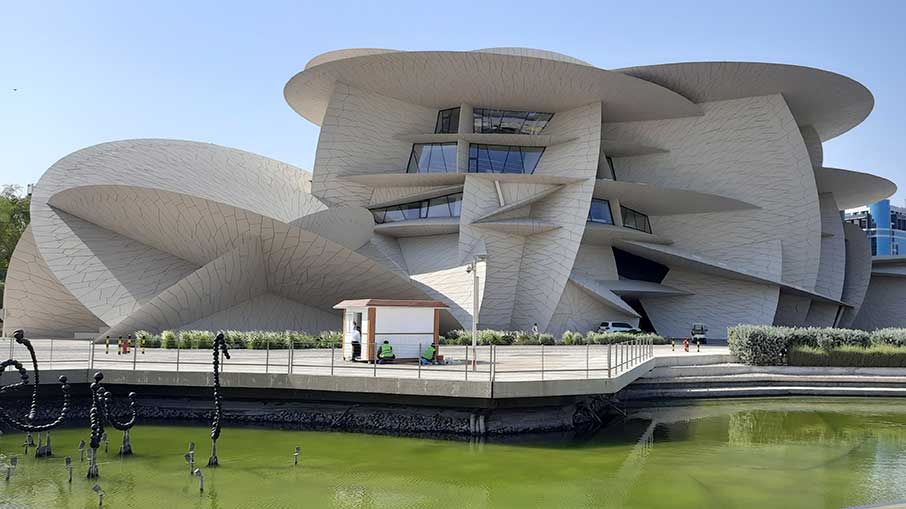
[(487, 363)]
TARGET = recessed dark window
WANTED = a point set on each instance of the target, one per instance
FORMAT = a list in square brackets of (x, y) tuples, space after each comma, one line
[(635, 220), (447, 121), (613, 171), (503, 158), (599, 212), (491, 121), (442, 206), (432, 158)]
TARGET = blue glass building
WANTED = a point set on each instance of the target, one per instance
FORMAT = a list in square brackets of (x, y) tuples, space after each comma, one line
[(885, 226)]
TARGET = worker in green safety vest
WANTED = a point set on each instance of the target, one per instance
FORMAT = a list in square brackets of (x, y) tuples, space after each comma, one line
[(385, 353), (428, 355)]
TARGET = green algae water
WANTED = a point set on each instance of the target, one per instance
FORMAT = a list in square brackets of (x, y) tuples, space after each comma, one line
[(741, 453)]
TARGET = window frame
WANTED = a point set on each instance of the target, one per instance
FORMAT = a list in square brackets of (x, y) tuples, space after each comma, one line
[(636, 212), (609, 210), (423, 206), (438, 125), (475, 150), (417, 158)]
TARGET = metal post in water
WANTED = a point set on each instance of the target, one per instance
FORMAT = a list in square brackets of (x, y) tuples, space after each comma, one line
[(296, 455), (200, 477), (67, 462), (81, 451), (97, 489)]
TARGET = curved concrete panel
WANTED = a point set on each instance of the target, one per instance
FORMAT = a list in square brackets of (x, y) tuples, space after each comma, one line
[(851, 188), (448, 78), (35, 301), (831, 103)]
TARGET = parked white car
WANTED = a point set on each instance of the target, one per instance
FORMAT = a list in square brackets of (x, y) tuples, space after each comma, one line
[(617, 327)]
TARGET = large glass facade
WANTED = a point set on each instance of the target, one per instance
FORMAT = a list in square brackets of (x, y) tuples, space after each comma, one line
[(432, 158), (503, 158), (442, 206), (635, 220), (447, 121), (487, 120), (599, 212)]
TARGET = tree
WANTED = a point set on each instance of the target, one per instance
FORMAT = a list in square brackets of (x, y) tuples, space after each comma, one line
[(14, 218)]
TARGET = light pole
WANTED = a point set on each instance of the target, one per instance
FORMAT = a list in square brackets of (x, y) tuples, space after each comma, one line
[(473, 268)]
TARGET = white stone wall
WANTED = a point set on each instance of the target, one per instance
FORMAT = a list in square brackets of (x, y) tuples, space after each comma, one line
[(35, 301), (884, 304), (858, 271), (360, 135), (715, 301), (832, 265), (749, 149)]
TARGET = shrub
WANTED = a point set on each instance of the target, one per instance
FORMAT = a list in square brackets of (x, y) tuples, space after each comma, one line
[(235, 340), (168, 339), (547, 339), (889, 336), (198, 339), (833, 338), (147, 339), (301, 340), (759, 345), (878, 355), (328, 338), (525, 338), (572, 338)]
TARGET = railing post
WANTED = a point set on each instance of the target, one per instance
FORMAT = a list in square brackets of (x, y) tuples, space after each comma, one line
[(289, 355), (51, 353), (374, 361), (493, 371), (609, 348), (135, 354), (542, 361), (90, 354), (467, 363), (333, 356), (178, 348), (267, 355), (587, 348), (419, 361)]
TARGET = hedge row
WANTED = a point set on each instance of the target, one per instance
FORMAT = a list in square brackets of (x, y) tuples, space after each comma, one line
[(498, 337), (874, 356), (765, 345), (252, 340)]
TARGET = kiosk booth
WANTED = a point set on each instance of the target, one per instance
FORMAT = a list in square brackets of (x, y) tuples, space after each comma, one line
[(409, 326)]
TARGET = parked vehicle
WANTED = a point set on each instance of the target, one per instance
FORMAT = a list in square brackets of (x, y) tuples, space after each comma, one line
[(617, 327)]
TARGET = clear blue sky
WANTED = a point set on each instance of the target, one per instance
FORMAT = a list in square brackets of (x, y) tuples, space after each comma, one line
[(89, 72)]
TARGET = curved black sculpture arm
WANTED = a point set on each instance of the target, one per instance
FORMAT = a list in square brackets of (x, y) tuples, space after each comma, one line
[(104, 397), (218, 347), (28, 425)]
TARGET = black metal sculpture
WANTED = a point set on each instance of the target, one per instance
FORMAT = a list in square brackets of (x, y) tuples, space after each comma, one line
[(100, 414), (219, 346), (28, 424)]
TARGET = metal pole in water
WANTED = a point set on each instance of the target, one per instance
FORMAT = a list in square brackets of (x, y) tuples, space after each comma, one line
[(296, 455)]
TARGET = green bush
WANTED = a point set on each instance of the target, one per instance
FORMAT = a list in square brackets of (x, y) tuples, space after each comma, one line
[(147, 339), (301, 340), (547, 339), (764, 345), (889, 336), (197, 339), (235, 340), (526, 338), (875, 356), (168, 339), (572, 338), (329, 338)]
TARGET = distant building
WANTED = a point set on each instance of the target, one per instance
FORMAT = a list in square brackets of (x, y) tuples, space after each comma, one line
[(885, 225)]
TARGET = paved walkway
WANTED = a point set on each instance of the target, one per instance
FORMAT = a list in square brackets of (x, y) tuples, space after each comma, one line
[(512, 363)]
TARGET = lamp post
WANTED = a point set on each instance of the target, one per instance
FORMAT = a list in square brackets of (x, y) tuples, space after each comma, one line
[(473, 268)]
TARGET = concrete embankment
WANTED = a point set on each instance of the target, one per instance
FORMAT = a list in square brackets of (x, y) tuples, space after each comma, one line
[(737, 380)]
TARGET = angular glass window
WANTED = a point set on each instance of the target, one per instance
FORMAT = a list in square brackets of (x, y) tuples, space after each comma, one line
[(432, 158), (503, 158), (442, 206), (488, 120), (447, 121), (599, 212), (635, 220)]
